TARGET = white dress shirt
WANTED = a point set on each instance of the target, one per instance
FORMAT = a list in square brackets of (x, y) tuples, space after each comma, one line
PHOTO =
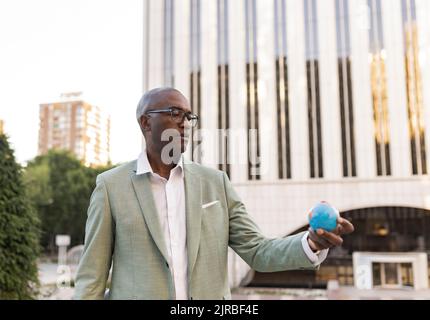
[(169, 197)]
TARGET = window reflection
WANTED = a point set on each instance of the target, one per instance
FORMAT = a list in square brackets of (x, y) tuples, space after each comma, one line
[(313, 92), (223, 83), (252, 90), (169, 42), (379, 89), (414, 88), (195, 64), (282, 101), (345, 88)]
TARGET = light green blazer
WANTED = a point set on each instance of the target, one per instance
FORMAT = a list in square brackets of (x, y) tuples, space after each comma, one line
[(122, 230)]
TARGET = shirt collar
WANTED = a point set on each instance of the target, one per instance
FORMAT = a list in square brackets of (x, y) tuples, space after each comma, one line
[(143, 165)]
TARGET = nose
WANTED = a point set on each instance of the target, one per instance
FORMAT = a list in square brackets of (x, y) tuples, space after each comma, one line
[(186, 124), (185, 128)]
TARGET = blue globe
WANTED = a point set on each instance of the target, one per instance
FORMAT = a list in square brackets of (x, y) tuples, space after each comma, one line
[(323, 216)]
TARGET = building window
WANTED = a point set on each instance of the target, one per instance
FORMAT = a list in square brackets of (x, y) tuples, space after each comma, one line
[(146, 41), (345, 88), (252, 90), (379, 89), (195, 75), (282, 102), (414, 88), (223, 87), (313, 93), (169, 42)]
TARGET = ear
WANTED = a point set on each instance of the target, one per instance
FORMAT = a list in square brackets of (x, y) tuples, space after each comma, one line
[(144, 123)]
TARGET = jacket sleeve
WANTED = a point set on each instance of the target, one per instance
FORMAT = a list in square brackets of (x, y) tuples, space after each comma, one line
[(94, 266), (261, 253)]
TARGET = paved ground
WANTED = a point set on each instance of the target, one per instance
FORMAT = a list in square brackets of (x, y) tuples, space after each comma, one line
[(55, 282), (278, 294), (54, 293), (54, 289), (343, 293), (351, 293)]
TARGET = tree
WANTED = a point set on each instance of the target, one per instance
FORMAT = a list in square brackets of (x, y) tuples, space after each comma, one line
[(60, 187), (19, 231)]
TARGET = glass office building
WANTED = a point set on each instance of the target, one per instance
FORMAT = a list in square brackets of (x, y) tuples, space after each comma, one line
[(311, 100)]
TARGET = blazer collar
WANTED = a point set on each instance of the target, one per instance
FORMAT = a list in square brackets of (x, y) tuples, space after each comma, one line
[(143, 166), (193, 203)]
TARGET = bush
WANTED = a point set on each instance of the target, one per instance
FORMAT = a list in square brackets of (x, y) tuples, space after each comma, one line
[(19, 231)]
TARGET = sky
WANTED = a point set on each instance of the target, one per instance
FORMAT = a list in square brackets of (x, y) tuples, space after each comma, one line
[(48, 47)]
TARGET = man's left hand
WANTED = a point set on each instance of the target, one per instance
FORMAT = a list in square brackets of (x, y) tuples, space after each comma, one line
[(322, 239)]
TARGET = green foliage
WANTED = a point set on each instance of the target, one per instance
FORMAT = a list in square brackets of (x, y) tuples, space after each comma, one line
[(19, 231), (60, 187)]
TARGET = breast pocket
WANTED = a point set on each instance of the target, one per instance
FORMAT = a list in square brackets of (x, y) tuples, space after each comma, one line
[(213, 210), (210, 204), (215, 219)]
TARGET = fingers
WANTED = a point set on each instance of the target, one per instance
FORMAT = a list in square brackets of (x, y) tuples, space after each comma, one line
[(315, 246), (330, 237), (345, 226), (319, 241), (339, 230), (322, 239)]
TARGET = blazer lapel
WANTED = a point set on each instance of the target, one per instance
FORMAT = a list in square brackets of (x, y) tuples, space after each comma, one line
[(142, 188), (193, 214)]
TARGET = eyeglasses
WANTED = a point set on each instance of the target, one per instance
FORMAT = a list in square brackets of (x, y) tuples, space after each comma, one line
[(178, 115)]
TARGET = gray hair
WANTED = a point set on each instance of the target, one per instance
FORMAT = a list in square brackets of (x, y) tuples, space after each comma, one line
[(148, 98)]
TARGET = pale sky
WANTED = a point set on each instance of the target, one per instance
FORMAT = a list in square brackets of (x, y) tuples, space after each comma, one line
[(48, 47)]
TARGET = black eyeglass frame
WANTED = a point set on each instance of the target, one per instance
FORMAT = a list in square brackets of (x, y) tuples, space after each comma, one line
[(189, 115)]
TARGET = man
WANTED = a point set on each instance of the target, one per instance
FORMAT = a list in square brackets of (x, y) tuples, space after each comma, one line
[(165, 223)]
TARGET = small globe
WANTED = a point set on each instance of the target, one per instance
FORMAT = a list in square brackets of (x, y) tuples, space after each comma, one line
[(323, 216)]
